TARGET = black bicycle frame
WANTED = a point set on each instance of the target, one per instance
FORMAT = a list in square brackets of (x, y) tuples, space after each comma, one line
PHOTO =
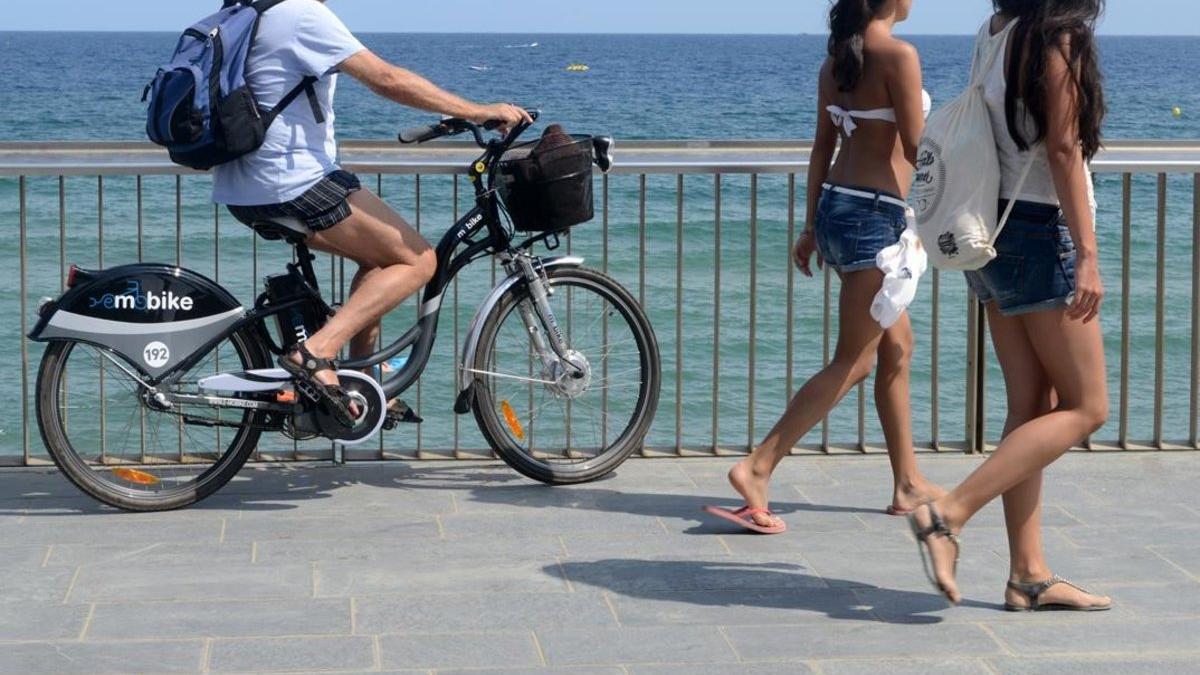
[(457, 249)]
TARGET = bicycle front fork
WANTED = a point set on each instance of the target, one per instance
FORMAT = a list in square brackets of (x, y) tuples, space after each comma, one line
[(544, 332)]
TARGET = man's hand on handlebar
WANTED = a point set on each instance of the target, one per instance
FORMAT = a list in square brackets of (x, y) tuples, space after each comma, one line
[(506, 114)]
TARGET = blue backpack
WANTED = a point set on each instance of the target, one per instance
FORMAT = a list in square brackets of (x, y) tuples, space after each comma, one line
[(201, 108)]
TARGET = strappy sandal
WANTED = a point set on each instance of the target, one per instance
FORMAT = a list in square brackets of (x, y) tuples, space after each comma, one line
[(937, 528), (1033, 593), (332, 396)]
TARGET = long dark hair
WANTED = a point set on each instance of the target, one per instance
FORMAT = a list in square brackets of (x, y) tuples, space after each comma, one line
[(848, 21), (1049, 24)]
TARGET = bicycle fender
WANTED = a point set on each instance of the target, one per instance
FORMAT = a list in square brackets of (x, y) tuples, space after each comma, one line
[(154, 316), (471, 344)]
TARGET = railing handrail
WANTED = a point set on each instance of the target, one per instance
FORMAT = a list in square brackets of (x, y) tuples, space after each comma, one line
[(114, 158)]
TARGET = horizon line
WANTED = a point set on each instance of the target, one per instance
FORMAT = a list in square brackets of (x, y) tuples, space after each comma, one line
[(574, 33)]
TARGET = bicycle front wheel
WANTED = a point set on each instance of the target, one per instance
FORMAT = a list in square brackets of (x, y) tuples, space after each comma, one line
[(564, 425)]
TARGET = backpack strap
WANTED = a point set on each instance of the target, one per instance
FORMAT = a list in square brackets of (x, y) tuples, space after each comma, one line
[(307, 86), (262, 6), (1001, 46), (1016, 195)]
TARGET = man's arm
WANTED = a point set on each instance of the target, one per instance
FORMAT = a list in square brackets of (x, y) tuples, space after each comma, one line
[(408, 88)]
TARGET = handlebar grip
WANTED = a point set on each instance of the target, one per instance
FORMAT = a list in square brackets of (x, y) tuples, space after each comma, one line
[(492, 125), (422, 134)]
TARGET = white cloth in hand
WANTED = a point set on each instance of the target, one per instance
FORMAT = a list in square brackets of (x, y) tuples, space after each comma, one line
[(902, 265)]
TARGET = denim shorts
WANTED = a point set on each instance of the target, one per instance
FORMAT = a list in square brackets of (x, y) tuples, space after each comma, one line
[(852, 230), (1034, 269)]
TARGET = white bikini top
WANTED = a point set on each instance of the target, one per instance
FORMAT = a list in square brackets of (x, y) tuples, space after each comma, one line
[(845, 118)]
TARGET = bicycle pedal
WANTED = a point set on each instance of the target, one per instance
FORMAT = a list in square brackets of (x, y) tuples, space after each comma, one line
[(399, 413), (308, 390)]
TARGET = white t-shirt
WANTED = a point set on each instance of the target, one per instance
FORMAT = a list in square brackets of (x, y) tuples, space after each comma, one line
[(1039, 186), (296, 39)]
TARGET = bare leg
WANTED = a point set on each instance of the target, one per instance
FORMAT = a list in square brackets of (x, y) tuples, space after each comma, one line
[(394, 263), (1030, 396), (893, 402), (367, 341), (858, 340), (1071, 354)]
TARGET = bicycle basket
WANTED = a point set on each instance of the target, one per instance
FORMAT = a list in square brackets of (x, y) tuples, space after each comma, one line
[(548, 189)]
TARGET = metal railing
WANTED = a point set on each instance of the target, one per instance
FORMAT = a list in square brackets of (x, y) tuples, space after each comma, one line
[(712, 222)]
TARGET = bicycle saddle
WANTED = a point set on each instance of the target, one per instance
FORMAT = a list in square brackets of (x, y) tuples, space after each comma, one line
[(290, 230)]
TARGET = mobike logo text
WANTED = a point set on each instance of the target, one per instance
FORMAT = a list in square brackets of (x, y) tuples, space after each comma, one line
[(134, 299)]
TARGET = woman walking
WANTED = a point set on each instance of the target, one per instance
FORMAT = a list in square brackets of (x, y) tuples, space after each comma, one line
[(1043, 292), (870, 95)]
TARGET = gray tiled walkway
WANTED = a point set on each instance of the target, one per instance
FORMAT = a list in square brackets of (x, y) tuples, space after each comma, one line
[(449, 567)]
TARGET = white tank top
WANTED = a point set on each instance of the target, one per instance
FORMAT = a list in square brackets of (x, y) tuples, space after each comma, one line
[(1039, 186)]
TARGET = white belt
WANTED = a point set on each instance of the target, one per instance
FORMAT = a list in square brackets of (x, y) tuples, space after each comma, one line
[(866, 195)]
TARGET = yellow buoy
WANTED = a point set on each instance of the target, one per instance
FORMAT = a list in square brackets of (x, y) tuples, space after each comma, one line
[(578, 68), (1177, 112)]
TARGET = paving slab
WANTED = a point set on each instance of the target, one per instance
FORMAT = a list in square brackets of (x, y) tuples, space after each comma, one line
[(160, 583), (474, 612), (175, 553), (461, 650), (779, 668), (1091, 665), (1129, 638), (36, 621), (675, 644), (290, 654), (231, 619), (856, 640), (944, 666), (176, 656)]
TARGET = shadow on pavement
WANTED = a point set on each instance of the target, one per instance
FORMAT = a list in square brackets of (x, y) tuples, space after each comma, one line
[(730, 584)]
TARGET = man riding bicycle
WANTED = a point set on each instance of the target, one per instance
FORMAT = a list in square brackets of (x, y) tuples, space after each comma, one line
[(295, 175)]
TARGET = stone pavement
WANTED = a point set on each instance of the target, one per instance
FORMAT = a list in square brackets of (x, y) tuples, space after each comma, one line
[(467, 567)]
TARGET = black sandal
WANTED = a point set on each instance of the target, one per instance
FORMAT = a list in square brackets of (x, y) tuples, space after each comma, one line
[(332, 396), (937, 528), (1033, 593)]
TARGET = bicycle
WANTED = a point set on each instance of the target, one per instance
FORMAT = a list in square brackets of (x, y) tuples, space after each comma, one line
[(144, 345)]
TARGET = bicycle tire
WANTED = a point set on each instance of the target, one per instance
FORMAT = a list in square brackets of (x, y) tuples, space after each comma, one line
[(252, 353), (633, 436)]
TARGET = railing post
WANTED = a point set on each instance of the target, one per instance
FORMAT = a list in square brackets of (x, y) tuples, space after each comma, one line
[(826, 321), (934, 339), (974, 402), (1126, 290), (679, 314), (791, 290), (751, 349), (716, 364), (23, 223), (1160, 307), (1194, 408)]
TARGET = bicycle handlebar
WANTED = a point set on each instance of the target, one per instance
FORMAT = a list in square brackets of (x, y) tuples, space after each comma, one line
[(454, 126)]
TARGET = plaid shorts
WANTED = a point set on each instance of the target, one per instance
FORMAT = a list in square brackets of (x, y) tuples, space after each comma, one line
[(320, 208)]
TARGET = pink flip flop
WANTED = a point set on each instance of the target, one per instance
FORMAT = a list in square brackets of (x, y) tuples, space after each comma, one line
[(745, 517)]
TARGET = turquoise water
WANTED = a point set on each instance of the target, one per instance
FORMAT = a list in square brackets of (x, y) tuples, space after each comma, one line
[(58, 86)]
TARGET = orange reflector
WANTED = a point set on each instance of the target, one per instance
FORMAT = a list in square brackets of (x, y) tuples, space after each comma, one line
[(135, 476), (286, 397), (510, 416)]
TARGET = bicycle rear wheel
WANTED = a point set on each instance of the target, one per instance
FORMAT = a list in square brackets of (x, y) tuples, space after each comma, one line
[(114, 446), (548, 424)]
